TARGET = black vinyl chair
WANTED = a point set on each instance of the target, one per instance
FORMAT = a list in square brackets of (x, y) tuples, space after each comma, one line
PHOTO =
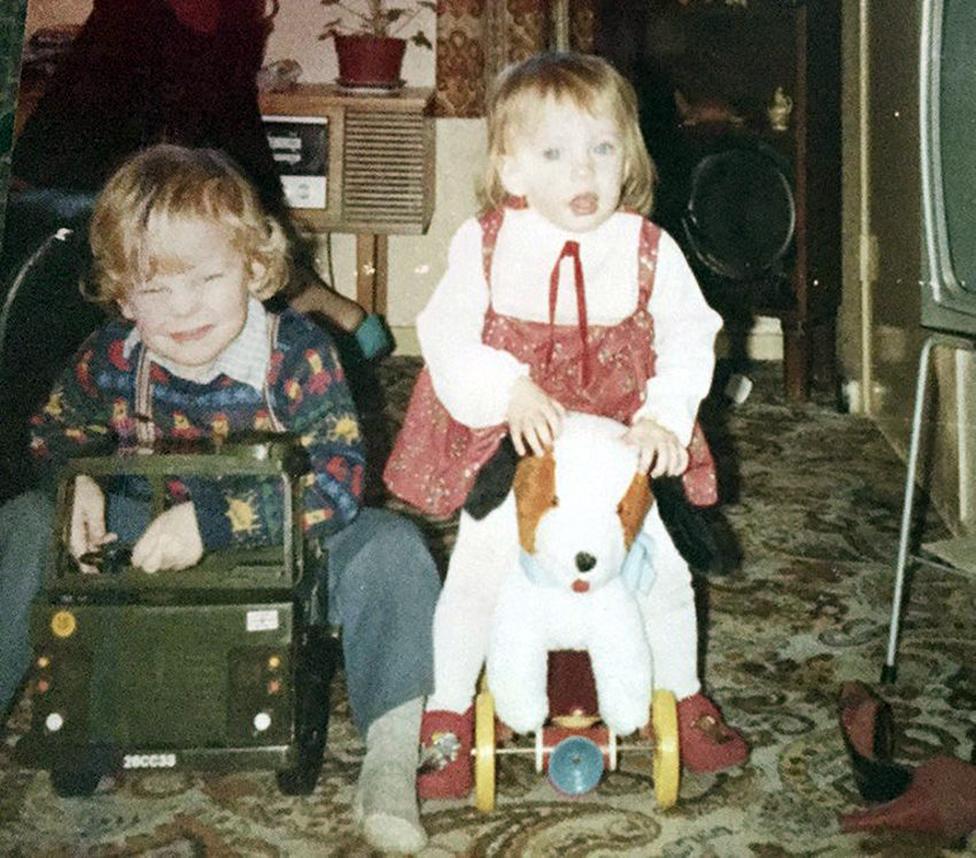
[(44, 318)]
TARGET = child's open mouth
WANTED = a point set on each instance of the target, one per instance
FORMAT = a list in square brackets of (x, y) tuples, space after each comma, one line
[(584, 204)]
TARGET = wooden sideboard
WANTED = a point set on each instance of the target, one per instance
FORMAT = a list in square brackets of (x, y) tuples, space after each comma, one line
[(378, 169), (707, 74)]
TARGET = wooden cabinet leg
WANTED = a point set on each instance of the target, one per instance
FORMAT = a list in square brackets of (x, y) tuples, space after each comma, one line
[(824, 356), (809, 357), (796, 363), (372, 268)]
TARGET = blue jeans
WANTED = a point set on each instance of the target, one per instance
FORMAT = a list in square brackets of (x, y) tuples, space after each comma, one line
[(382, 586), (381, 582), (25, 534)]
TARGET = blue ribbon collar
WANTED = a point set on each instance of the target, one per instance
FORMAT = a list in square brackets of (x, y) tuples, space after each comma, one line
[(637, 570)]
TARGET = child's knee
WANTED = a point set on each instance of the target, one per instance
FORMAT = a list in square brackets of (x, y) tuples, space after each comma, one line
[(25, 522), (399, 546), (31, 513), (391, 561)]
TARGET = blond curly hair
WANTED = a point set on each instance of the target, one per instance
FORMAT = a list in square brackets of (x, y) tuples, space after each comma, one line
[(165, 184)]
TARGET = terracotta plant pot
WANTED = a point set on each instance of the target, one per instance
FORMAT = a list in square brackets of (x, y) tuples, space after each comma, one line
[(369, 61)]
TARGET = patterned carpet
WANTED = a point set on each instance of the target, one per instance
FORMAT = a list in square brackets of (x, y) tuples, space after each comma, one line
[(813, 497)]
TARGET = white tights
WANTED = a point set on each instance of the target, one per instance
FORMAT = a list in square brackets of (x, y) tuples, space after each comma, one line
[(487, 550)]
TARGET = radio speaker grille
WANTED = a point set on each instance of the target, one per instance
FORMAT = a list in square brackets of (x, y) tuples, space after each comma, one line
[(385, 171)]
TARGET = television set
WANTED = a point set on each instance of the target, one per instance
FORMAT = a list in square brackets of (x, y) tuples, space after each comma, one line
[(947, 92)]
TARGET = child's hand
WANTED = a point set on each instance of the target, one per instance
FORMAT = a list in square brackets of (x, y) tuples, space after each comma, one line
[(534, 418), (87, 533), (658, 447), (172, 541)]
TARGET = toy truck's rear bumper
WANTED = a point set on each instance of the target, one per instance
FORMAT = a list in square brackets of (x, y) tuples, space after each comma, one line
[(162, 686)]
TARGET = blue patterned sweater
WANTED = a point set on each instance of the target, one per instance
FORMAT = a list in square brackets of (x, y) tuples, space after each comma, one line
[(92, 412)]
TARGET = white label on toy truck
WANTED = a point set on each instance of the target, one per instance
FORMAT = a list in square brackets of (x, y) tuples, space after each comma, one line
[(262, 621), (148, 761)]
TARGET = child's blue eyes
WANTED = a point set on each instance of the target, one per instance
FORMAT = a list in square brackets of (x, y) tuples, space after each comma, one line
[(606, 147)]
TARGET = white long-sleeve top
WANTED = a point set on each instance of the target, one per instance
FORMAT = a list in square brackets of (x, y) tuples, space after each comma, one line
[(474, 380)]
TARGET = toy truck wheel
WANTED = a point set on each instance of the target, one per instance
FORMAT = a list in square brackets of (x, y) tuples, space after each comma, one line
[(667, 759), (74, 783), (484, 752), (317, 659), (301, 778)]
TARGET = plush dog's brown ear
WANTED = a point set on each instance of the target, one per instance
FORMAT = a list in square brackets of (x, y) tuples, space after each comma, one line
[(535, 492), (634, 506)]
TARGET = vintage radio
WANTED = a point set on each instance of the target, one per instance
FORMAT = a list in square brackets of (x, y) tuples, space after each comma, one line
[(352, 162)]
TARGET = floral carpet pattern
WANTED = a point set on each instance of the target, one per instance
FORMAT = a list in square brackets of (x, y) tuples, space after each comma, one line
[(813, 497)]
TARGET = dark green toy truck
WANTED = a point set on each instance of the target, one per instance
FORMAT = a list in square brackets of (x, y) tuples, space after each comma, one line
[(223, 666)]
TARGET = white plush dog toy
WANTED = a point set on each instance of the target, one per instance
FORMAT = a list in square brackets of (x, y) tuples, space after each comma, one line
[(581, 508)]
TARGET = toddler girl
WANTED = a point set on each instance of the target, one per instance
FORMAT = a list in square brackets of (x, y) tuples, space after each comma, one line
[(561, 296)]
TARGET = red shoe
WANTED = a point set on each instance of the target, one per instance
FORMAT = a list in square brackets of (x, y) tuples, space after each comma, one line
[(445, 753), (706, 743), (940, 800), (868, 729)]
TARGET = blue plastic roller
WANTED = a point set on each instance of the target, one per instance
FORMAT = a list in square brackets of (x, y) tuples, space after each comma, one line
[(575, 765)]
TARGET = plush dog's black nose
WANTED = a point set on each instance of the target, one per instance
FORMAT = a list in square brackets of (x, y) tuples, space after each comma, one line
[(585, 562)]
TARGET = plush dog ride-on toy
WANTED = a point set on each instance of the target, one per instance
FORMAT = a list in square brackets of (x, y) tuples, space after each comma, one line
[(583, 559)]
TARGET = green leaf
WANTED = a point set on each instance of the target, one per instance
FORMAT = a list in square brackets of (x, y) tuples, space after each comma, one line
[(420, 39), (394, 15)]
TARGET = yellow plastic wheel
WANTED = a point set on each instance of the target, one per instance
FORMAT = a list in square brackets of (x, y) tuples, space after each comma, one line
[(667, 759), (484, 752)]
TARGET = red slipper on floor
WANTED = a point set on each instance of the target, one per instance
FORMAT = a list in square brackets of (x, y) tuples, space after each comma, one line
[(940, 800), (868, 729), (706, 743), (445, 754)]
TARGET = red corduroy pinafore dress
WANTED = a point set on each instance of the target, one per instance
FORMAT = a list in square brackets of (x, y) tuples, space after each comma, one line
[(598, 369)]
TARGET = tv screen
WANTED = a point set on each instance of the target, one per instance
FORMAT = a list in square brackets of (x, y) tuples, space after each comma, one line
[(948, 159)]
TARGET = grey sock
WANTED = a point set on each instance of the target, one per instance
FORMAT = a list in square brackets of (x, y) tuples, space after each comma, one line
[(385, 804)]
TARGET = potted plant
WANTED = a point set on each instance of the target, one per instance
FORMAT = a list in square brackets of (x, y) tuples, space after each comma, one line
[(368, 38)]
